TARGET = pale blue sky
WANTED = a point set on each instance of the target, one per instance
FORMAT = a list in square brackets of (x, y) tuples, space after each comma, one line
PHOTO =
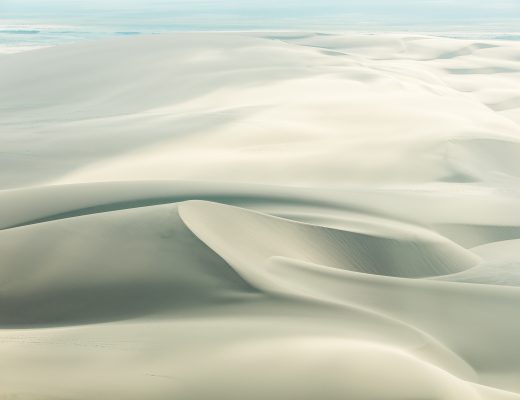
[(86, 19), (255, 14)]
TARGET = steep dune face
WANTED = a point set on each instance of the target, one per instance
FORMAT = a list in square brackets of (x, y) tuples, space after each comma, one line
[(267, 215)]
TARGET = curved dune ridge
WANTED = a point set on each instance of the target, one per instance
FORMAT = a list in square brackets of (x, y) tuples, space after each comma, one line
[(262, 215), (242, 237)]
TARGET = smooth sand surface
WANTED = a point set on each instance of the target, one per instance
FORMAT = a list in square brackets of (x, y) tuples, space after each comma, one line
[(261, 216)]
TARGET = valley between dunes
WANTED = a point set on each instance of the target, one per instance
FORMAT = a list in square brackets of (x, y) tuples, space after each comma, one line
[(261, 216)]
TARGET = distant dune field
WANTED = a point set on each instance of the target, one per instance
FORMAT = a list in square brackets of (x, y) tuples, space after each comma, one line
[(252, 216)]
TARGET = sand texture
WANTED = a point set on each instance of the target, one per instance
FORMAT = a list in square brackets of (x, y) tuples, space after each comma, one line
[(252, 216)]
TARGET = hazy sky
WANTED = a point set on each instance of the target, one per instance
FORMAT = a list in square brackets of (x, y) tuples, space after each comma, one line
[(256, 14)]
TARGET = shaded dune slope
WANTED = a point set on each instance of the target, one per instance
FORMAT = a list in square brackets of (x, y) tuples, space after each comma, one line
[(108, 266)]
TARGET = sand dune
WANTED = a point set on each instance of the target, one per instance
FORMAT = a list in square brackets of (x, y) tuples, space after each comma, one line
[(261, 215)]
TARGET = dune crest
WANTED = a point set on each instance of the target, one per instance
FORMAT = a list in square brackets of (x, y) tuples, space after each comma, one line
[(248, 238)]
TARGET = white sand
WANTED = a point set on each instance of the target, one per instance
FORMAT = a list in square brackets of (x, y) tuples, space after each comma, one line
[(261, 216)]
